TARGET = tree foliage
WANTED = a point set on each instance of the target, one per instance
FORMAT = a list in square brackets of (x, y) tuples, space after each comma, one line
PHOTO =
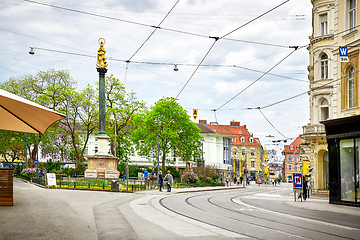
[(169, 123)]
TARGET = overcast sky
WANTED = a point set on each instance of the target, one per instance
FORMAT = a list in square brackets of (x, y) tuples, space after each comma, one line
[(240, 57)]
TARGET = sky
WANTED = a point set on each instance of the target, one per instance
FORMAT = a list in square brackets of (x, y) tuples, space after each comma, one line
[(222, 49)]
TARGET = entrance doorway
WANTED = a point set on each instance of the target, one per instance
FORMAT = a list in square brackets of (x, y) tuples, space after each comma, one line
[(326, 170)]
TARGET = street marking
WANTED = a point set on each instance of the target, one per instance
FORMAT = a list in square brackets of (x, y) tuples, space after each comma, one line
[(238, 201)]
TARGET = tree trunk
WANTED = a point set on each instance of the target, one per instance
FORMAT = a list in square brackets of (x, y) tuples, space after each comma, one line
[(163, 163)]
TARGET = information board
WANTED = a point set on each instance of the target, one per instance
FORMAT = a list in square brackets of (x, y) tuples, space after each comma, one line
[(51, 179)]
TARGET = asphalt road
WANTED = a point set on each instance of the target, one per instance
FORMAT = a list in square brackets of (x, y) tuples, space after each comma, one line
[(203, 213)]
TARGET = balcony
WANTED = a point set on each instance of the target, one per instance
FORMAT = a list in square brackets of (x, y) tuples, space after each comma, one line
[(314, 131)]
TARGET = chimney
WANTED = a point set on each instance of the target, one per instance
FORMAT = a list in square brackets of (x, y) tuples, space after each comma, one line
[(245, 127), (234, 124), (202, 121)]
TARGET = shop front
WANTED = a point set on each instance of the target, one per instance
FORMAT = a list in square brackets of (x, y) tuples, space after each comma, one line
[(343, 138)]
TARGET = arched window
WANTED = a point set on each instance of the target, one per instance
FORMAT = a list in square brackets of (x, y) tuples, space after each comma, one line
[(251, 140), (351, 92), (324, 66), (242, 139), (324, 110)]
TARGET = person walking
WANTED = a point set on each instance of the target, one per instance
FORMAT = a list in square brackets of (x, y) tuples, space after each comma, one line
[(169, 179), (304, 187), (160, 180)]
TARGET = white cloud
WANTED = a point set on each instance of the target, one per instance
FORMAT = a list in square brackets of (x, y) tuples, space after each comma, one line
[(25, 24)]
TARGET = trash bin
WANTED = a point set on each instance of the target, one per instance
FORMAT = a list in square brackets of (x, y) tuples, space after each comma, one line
[(114, 187)]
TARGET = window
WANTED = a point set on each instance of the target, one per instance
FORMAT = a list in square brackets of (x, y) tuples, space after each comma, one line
[(291, 147), (352, 15), (240, 132), (351, 87), (324, 110), (295, 168), (252, 152), (233, 139), (295, 159), (324, 66), (251, 140), (96, 149), (242, 139), (252, 164), (290, 167), (323, 24), (289, 159), (243, 152)]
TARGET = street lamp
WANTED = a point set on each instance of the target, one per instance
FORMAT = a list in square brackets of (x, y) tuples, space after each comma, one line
[(158, 148)]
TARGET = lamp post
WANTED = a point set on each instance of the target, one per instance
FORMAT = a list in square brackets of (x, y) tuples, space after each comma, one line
[(158, 148)]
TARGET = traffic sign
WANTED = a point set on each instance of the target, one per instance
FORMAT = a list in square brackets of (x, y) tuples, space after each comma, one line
[(20, 163), (297, 180), (36, 161), (343, 51)]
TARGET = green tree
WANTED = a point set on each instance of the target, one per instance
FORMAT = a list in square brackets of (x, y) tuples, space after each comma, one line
[(81, 119), (175, 130), (121, 107), (57, 90)]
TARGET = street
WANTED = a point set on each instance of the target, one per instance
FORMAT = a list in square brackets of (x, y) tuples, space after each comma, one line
[(254, 212)]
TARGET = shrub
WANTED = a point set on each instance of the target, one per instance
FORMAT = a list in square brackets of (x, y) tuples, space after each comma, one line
[(29, 172), (188, 176)]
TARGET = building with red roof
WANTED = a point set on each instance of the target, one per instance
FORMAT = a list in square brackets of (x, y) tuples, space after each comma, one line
[(247, 154), (292, 159)]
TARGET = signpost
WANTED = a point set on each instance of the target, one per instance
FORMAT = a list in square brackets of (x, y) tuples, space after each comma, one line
[(297, 185), (343, 51)]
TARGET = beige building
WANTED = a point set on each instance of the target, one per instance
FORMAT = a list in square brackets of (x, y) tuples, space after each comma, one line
[(334, 85)]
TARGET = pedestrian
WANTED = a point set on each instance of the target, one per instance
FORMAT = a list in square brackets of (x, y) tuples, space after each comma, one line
[(153, 173), (304, 187), (227, 181), (273, 181), (160, 180), (238, 180), (169, 179), (241, 180), (308, 189), (146, 175)]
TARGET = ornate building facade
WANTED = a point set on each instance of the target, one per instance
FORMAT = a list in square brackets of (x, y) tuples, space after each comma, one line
[(334, 88)]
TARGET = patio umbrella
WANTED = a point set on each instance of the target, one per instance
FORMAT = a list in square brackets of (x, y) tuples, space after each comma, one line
[(22, 115)]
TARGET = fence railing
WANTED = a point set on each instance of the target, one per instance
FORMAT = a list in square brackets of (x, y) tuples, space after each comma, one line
[(111, 184)]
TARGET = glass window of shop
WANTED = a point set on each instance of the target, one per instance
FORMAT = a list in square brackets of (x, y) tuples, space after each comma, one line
[(349, 169)]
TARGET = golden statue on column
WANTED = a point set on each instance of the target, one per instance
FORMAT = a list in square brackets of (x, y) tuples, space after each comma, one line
[(101, 57)]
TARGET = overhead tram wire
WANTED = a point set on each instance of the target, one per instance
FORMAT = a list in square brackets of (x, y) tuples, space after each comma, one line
[(252, 83), (152, 26), (298, 95), (168, 64), (271, 123), (217, 38), (157, 27)]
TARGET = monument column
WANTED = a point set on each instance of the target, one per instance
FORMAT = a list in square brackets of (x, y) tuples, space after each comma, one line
[(102, 164)]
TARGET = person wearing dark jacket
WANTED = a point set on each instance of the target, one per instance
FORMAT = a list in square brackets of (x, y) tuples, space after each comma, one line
[(304, 188), (160, 180)]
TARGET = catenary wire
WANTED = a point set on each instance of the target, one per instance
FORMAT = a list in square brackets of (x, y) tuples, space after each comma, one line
[(217, 38), (271, 123), (157, 27), (254, 19), (252, 83), (149, 25)]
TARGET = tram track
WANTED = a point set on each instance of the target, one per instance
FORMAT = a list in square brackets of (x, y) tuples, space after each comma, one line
[(241, 215)]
